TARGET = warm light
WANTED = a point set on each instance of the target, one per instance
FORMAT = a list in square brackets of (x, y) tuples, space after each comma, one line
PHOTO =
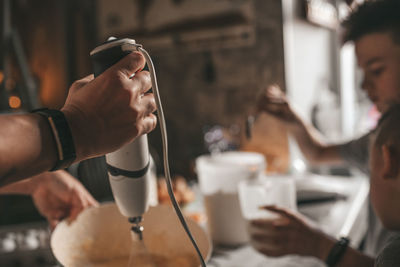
[(1, 76), (14, 102)]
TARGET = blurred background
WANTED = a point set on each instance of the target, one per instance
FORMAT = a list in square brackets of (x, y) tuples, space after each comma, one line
[(212, 58)]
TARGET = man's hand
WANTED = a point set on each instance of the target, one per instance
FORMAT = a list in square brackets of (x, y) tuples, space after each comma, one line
[(111, 110), (59, 195), (290, 233)]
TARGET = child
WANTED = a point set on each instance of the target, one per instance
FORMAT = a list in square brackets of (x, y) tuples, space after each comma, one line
[(374, 27), (385, 181)]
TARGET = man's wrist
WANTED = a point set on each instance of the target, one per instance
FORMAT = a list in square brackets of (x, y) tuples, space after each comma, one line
[(77, 132), (61, 135), (49, 155)]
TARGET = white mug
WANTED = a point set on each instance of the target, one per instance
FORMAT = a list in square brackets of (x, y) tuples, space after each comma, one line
[(275, 190)]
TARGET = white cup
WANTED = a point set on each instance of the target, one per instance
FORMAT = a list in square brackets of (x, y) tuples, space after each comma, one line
[(219, 176), (278, 190)]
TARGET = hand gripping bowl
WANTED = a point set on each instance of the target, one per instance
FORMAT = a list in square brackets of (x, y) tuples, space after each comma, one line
[(101, 237)]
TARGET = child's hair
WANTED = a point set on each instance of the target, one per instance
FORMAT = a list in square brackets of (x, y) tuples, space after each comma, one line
[(388, 129), (373, 16)]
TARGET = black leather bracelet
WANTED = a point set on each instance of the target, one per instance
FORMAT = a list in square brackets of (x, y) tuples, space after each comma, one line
[(62, 136), (337, 252)]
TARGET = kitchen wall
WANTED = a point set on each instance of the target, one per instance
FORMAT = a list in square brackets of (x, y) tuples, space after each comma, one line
[(206, 79), (212, 58), (312, 68)]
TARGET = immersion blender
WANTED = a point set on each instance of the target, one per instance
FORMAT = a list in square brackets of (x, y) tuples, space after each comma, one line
[(128, 167)]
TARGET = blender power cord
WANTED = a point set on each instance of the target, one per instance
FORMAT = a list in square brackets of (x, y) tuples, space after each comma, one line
[(165, 151)]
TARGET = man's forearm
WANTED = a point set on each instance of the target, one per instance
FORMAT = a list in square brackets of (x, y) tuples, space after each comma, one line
[(27, 147), (25, 187), (97, 124)]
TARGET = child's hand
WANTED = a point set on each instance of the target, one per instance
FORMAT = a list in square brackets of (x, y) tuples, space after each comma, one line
[(273, 101), (290, 233)]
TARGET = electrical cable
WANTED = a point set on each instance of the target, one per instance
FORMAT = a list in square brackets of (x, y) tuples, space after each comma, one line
[(165, 151)]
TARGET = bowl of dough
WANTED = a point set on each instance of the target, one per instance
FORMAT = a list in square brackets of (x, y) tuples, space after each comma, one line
[(102, 237)]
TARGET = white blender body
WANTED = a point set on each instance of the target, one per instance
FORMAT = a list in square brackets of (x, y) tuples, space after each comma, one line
[(131, 187)]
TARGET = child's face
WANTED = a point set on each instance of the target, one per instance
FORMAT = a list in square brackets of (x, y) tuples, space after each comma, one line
[(383, 194), (379, 58)]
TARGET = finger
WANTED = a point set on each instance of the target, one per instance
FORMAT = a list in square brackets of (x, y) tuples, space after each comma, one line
[(55, 216), (276, 92), (273, 106), (142, 82), (89, 201), (259, 245), (82, 201), (270, 252), (75, 210), (262, 222), (283, 212), (265, 232), (268, 240), (53, 223), (275, 100), (130, 64), (92, 202), (147, 105), (55, 213), (74, 214), (275, 89), (149, 124), (270, 225), (84, 196), (276, 228)]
